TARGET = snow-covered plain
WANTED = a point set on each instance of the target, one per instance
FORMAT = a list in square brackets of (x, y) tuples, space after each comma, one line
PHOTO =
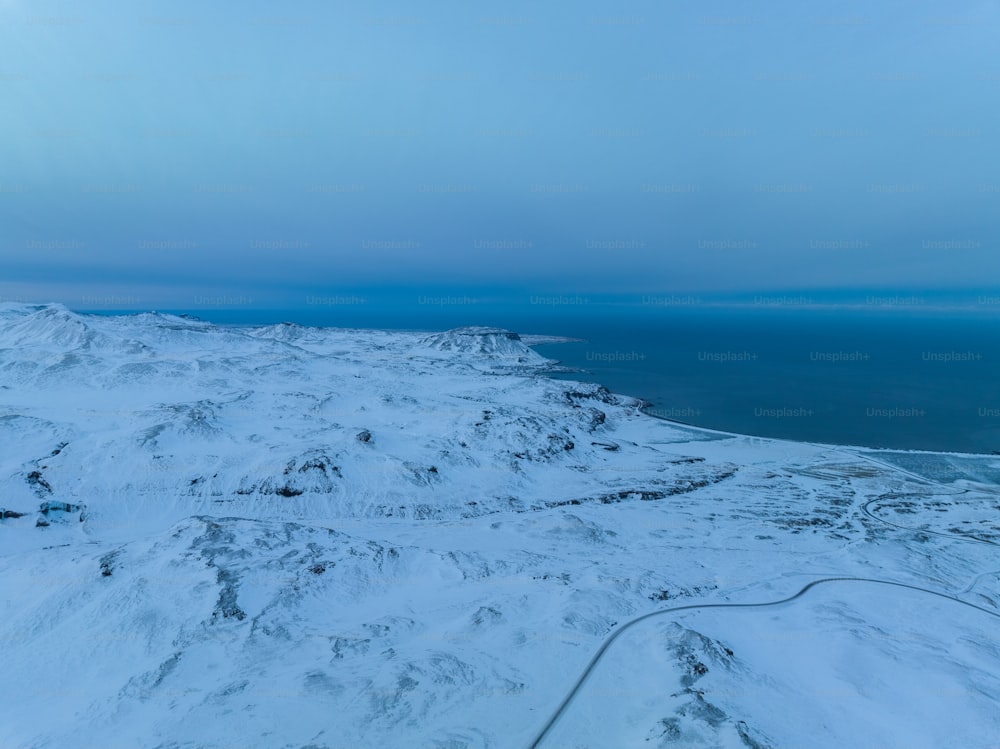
[(293, 537)]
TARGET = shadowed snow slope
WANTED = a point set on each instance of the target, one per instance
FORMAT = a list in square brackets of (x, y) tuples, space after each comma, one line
[(301, 537)]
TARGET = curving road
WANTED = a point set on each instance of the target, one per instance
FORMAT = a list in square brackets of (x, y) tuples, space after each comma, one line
[(948, 490), (864, 508), (953, 536), (628, 625)]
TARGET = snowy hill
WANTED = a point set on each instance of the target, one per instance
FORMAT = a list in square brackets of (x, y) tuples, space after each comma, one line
[(299, 537), (480, 341)]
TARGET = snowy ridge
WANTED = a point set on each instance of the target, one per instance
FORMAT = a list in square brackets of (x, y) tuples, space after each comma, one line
[(492, 343), (303, 537), (54, 326)]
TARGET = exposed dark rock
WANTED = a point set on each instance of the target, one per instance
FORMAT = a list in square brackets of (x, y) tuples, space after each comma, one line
[(107, 564), (703, 710), (748, 739), (486, 615), (597, 418), (321, 465), (227, 607), (595, 392), (669, 595), (38, 483), (54, 506)]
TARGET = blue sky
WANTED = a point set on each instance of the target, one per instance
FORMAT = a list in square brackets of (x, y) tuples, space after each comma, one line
[(164, 150)]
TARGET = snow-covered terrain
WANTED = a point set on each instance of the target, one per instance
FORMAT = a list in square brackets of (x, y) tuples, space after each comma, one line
[(294, 537)]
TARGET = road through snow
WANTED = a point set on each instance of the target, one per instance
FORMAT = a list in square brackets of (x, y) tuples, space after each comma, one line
[(550, 724)]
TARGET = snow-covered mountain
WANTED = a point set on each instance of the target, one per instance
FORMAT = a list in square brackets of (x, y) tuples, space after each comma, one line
[(493, 344), (299, 537)]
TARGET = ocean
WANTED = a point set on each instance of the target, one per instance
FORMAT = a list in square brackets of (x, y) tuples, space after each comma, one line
[(888, 378)]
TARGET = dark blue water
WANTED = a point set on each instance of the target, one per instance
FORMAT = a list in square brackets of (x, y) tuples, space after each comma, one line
[(928, 382), (877, 378)]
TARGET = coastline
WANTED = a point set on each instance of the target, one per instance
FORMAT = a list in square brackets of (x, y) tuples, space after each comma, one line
[(557, 367), (827, 445), (646, 405)]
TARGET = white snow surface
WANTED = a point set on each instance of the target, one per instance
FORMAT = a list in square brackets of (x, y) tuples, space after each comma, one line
[(297, 537)]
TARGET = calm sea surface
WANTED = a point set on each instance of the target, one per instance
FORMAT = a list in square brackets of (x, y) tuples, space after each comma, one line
[(875, 378)]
